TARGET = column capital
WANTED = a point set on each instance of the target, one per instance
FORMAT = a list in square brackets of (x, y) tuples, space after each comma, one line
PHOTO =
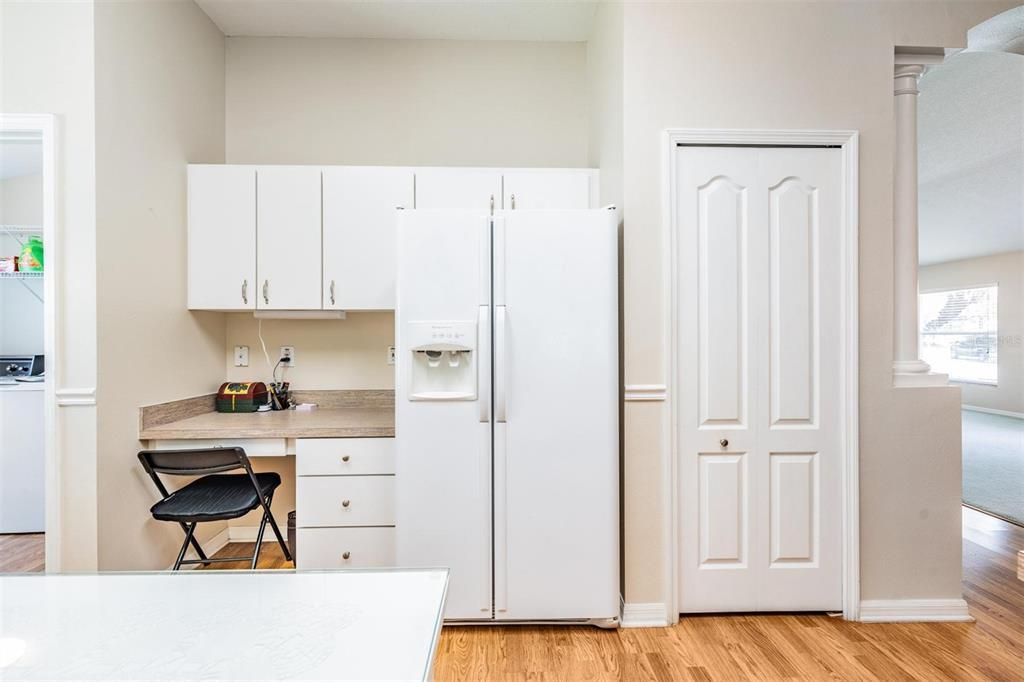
[(906, 77)]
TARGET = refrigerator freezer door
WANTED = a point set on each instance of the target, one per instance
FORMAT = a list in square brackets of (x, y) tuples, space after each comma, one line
[(443, 470), (556, 455)]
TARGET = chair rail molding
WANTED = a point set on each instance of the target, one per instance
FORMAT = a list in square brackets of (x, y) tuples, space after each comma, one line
[(645, 392), (848, 142), (76, 397)]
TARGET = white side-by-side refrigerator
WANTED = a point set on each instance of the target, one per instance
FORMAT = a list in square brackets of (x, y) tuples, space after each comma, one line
[(507, 410)]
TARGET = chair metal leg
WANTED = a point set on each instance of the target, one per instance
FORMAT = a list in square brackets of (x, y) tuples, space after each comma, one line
[(259, 540), (184, 546), (277, 532), (196, 546)]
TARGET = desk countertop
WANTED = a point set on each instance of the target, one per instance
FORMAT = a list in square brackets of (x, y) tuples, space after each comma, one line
[(346, 422), (352, 414)]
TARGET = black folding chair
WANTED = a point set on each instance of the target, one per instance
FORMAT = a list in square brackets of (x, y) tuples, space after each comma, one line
[(215, 497)]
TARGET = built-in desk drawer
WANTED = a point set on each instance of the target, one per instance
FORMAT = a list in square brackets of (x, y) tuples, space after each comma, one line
[(344, 456), (345, 501), (321, 548)]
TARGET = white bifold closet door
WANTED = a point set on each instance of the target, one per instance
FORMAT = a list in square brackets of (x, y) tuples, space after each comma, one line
[(758, 263)]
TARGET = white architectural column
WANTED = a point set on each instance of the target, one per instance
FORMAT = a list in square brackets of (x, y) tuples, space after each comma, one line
[(908, 368)]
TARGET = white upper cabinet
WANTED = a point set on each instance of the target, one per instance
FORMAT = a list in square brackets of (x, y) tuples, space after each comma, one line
[(550, 188), (359, 235), (288, 238), (469, 188), (221, 237)]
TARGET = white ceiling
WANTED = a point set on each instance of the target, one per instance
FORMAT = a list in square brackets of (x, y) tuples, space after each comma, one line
[(542, 20), (19, 158), (971, 164)]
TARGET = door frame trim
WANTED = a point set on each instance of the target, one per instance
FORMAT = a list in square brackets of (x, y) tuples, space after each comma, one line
[(847, 142)]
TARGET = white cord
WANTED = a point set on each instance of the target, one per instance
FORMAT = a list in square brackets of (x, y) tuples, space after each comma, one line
[(266, 355)]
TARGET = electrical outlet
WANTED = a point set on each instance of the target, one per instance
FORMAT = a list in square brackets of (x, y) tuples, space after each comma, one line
[(241, 356), (287, 356), (391, 355)]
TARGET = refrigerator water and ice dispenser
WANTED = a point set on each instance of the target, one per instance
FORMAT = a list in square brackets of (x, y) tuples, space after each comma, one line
[(443, 362)]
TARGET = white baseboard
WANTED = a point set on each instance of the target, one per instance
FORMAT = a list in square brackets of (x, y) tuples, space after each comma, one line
[(249, 533), (992, 410), (914, 611), (644, 616)]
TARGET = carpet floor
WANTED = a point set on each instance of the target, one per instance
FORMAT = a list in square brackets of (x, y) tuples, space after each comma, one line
[(994, 465)]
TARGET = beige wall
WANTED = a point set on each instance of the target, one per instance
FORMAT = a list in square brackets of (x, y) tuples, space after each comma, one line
[(1006, 270), (159, 106), (604, 88), (792, 65), (46, 67), (406, 102), (21, 199)]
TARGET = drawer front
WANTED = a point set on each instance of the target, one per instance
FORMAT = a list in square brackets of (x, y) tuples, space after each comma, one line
[(254, 447), (344, 456), (345, 501), (325, 548)]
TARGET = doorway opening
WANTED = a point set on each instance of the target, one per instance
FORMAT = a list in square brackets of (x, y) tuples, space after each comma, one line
[(29, 471)]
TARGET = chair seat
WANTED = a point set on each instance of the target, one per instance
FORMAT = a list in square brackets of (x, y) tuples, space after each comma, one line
[(215, 498)]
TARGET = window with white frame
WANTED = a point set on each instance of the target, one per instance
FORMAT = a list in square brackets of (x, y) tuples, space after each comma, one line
[(960, 333)]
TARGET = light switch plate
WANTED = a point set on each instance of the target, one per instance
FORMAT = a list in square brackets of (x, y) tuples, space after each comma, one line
[(391, 355), (241, 356)]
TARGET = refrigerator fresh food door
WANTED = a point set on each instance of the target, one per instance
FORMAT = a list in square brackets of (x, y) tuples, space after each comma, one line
[(556, 413), (443, 430)]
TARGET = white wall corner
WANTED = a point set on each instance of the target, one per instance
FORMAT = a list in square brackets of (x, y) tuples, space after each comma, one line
[(914, 611), (644, 616)]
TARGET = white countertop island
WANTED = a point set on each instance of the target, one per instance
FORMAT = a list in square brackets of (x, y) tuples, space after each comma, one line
[(222, 625)]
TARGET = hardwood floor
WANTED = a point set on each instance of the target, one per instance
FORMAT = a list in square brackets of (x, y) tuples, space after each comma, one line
[(22, 553), (762, 647)]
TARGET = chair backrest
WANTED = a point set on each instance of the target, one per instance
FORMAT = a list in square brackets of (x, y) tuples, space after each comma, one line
[(196, 462)]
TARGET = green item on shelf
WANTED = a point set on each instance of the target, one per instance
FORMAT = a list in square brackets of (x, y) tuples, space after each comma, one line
[(32, 256)]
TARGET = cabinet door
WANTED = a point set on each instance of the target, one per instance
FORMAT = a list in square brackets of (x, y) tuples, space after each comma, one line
[(458, 188), (288, 238), (555, 188), (221, 237), (359, 235)]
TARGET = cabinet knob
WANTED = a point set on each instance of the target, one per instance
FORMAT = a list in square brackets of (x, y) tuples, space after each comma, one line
[(346, 555), (724, 442), (345, 458), (345, 503)]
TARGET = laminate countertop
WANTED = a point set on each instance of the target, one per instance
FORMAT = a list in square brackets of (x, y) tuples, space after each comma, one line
[(368, 415)]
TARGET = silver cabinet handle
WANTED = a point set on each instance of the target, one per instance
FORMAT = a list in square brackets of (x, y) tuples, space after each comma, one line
[(345, 503), (266, 291), (346, 555), (492, 204), (332, 292), (345, 458), (245, 291), (724, 442), (513, 202)]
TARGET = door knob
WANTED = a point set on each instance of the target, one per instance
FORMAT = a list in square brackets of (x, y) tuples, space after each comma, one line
[(345, 458), (345, 503), (724, 442), (346, 555)]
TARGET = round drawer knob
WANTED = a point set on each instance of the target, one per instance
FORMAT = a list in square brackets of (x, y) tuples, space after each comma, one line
[(724, 442), (345, 458), (345, 503), (346, 555)]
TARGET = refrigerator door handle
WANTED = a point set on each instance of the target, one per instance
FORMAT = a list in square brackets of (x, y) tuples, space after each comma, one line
[(483, 369), (500, 363)]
